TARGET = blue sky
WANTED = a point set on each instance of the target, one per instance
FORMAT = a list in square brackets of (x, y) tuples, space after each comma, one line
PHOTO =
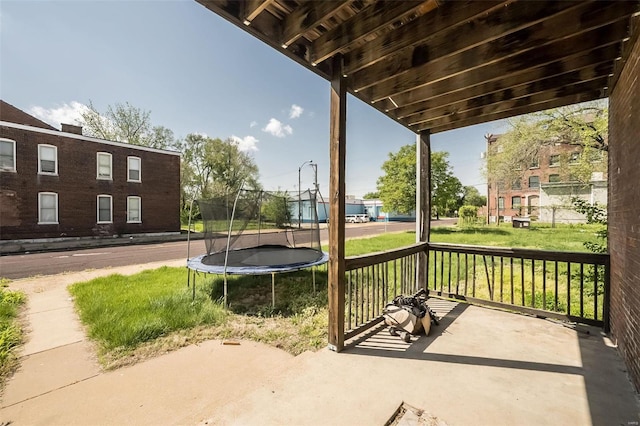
[(196, 72)]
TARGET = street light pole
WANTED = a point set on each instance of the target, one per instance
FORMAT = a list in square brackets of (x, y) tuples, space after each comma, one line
[(300, 192)]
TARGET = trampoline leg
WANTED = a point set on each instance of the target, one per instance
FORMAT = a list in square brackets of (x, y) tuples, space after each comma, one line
[(226, 305), (313, 274), (188, 277), (193, 291), (273, 290)]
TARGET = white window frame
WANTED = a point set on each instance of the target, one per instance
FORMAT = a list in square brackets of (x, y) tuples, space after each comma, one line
[(129, 209), (98, 155), (110, 208), (129, 159), (40, 221), (55, 159), (13, 167)]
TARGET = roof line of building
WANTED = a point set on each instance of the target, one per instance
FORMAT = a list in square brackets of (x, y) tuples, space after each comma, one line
[(86, 138)]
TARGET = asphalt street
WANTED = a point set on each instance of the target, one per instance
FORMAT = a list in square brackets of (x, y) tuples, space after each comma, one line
[(56, 262)]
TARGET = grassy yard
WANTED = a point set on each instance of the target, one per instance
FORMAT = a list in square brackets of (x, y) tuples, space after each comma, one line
[(134, 317), (10, 330)]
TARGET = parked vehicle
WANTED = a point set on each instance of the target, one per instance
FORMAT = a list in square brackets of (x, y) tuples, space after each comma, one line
[(351, 218), (362, 218)]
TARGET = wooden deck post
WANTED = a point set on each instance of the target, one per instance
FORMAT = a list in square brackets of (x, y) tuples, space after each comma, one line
[(423, 202), (337, 196)]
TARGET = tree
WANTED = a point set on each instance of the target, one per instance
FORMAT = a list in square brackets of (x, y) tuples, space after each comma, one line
[(471, 197), (128, 124), (371, 195), (397, 187), (446, 189), (276, 209), (584, 126), (213, 167)]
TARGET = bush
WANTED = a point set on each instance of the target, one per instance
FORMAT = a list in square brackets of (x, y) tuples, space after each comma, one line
[(468, 215)]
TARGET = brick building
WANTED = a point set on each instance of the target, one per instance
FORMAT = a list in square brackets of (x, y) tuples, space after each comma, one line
[(62, 184), (543, 189)]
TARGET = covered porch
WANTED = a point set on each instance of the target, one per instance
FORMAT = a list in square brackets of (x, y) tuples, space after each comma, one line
[(437, 65)]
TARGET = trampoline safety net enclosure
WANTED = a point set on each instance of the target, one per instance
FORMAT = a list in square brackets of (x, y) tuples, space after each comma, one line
[(259, 232)]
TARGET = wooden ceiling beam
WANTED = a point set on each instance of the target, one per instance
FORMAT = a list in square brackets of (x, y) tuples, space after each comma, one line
[(634, 34), (477, 84), (375, 17), (543, 38), (527, 109), (491, 79), (253, 8), (482, 30), (510, 99), (307, 16), (446, 17)]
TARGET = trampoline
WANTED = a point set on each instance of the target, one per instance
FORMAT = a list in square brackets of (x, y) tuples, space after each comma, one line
[(278, 245)]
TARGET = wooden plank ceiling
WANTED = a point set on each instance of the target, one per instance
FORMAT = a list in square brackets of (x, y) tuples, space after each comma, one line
[(438, 65)]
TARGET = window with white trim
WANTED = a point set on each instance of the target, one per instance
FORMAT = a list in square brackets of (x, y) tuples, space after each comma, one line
[(104, 163), (134, 210), (47, 159), (134, 173), (47, 208), (105, 209), (7, 155)]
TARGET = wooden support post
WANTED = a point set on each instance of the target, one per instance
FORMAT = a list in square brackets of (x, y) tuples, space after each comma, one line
[(337, 195), (423, 202)]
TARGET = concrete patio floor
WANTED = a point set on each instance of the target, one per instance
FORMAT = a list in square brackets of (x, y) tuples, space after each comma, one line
[(479, 366)]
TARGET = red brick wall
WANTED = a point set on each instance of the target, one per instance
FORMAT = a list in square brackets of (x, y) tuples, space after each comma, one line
[(77, 188), (624, 212)]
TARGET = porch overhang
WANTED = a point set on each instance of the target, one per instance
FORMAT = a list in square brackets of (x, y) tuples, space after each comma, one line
[(438, 65)]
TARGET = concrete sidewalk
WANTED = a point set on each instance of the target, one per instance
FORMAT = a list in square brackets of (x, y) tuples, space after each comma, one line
[(480, 366)]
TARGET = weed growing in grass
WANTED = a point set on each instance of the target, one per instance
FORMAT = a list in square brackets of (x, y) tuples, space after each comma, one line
[(10, 329)]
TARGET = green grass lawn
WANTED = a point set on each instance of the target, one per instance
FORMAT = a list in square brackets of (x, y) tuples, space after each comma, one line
[(133, 317), (10, 330)]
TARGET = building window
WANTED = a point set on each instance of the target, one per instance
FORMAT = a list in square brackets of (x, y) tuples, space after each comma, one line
[(47, 159), (500, 203), (516, 184), (515, 202), (554, 178), (134, 210), (534, 182), (554, 161), (105, 208), (7, 155), (47, 208), (104, 165), (133, 169), (573, 158), (535, 163)]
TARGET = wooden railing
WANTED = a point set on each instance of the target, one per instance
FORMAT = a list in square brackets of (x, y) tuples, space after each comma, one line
[(563, 285), (373, 280)]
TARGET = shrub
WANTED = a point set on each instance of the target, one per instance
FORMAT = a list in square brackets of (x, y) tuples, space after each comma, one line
[(468, 215)]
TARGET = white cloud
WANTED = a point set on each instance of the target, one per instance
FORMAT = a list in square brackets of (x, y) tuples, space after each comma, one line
[(67, 113), (248, 143), (295, 111), (253, 124), (276, 128)]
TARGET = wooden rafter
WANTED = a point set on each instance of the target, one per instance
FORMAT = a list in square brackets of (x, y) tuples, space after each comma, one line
[(438, 62), (372, 19), (253, 8)]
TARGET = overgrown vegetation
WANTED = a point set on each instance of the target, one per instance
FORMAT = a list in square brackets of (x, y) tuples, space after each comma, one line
[(134, 317), (10, 329)]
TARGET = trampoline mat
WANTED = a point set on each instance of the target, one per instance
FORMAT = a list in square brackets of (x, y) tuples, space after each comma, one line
[(260, 259)]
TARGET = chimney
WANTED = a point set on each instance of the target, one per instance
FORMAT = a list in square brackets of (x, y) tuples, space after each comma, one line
[(70, 128)]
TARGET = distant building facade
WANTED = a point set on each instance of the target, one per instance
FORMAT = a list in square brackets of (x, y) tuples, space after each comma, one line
[(543, 190), (57, 184)]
